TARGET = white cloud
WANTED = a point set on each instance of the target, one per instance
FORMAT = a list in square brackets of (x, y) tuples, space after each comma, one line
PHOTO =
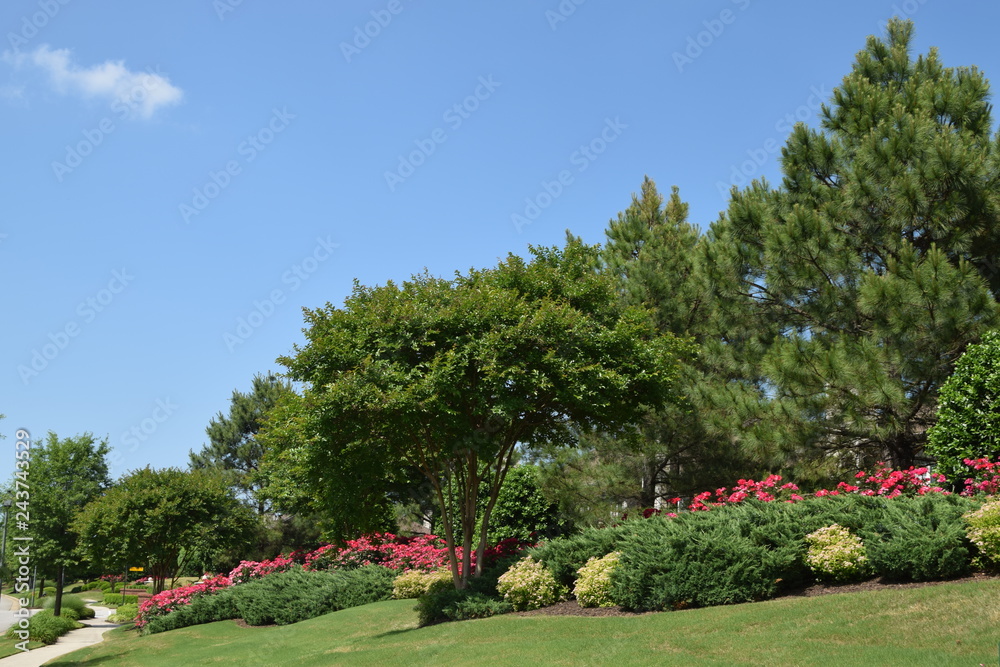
[(144, 92)]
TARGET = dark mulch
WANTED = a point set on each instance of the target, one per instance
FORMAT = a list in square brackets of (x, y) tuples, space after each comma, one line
[(571, 608)]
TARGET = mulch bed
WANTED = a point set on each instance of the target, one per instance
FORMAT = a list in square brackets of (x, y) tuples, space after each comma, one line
[(572, 608)]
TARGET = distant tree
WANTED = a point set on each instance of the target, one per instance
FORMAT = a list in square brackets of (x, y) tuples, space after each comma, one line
[(150, 517), (968, 419), (448, 376), (865, 275), (64, 475), (652, 252), (233, 447)]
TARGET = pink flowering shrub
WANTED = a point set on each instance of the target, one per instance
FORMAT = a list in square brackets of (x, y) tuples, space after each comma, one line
[(985, 477), (169, 600)]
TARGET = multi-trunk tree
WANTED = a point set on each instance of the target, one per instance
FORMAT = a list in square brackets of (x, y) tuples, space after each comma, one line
[(867, 272), (448, 377)]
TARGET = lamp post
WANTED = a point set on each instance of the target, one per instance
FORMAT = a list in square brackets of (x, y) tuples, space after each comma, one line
[(3, 549)]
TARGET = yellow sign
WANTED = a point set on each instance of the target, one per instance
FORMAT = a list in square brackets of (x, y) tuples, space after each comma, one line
[(135, 569)]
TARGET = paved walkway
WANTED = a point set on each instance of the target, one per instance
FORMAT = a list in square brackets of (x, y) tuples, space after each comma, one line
[(69, 642)]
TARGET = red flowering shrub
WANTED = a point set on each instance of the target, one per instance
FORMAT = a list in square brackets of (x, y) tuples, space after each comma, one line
[(169, 600), (985, 479)]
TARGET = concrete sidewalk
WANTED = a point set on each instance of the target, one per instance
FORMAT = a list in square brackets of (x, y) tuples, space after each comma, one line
[(69, 642)]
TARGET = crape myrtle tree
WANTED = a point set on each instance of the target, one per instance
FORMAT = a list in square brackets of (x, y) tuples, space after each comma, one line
[(862, 276), (968, 420), (64, 475), (447, 377), (152, 517)]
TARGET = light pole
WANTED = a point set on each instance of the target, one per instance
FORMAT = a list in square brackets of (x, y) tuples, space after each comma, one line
[(3, 549)]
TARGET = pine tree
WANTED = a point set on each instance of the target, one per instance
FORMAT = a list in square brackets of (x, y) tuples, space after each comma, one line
[(233, 445), (653, 252), (866, 274)]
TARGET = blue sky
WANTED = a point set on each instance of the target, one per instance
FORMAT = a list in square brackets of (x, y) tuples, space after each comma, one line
[(181, 178)]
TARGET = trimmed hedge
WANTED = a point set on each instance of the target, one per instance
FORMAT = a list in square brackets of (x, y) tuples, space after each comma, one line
[(115, 599)]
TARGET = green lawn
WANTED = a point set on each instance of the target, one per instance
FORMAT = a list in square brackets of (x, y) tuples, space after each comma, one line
[(948, 624)]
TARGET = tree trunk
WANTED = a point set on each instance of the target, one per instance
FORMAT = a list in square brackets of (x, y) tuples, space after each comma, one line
[(59, 590)]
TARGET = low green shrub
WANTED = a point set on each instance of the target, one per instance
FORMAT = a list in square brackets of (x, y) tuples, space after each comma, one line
[(413, 584), (44, 627), (219, 606), (836, 555), (919, 539), (984, 532), (73, 602), (593, 583), (565, 556), (475, 605), (124, 614), (528, 584), (283, 597), (116, 599), (48, 591)]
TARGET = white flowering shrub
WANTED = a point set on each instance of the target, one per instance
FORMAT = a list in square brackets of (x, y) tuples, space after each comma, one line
[(528, 584), (593, 581), (836, 554), (415, 583), (984, 530)]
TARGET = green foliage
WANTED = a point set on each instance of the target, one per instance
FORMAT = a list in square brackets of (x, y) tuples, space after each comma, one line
[(853, 288), (233, 446), (835, 554), (739, 553), (72, 602), (125, 613), (116, 599), (413, 584), (984, 531), (968, 419), (528, 584), (150, 516), (566, 555), (920, 539), (452, 604), (448, 376), (593, 582), (752, 551), (521, 510), (46, 628), (654, 255), (220, 606), (66, 474), (283, 598)]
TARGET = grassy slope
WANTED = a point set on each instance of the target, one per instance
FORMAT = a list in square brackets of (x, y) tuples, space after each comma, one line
[(948, 624)]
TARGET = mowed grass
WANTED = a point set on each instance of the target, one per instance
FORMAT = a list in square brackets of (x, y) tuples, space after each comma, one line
[(946, 624)]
